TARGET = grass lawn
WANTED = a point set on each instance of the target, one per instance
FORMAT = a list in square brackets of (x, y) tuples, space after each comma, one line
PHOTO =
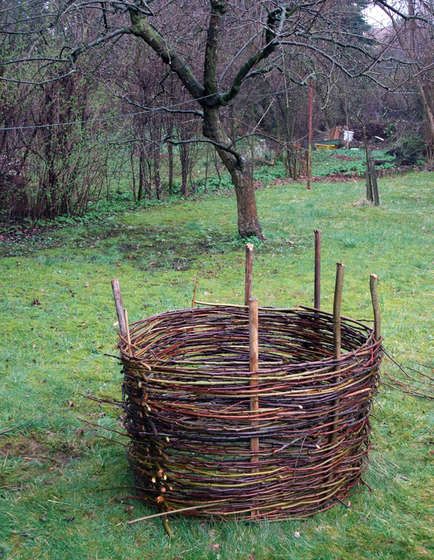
[(64, 488)]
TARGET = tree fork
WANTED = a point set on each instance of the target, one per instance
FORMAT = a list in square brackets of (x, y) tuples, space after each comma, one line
[(211, 101)]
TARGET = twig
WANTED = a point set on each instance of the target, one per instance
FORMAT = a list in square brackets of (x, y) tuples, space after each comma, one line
[(169, 512), (119, 307)]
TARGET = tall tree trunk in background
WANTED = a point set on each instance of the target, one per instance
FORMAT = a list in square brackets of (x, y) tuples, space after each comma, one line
[(206, 168), (232, 124), (239, 168), (372, 192), (156, 173), (170, 162), (148, 178), (142, 174), (184, 156), (427, 97), (310, 93), (133, 174), (170, 167), (240, 171), (425, 89)]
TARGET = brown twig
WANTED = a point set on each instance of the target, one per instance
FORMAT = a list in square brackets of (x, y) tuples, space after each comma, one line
[(119, 307)]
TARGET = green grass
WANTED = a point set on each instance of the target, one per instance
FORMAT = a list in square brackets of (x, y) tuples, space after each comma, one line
[(347, 162), (119, 196), (64, 489)]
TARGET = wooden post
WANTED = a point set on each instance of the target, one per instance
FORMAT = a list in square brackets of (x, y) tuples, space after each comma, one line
[(372, 192), (253, 367), (374, 184), (373, 283), (123, 328), (337, 305), (128, 328), (317, 283), (248, 281), (193, 297), (337, 336), (309, 134)]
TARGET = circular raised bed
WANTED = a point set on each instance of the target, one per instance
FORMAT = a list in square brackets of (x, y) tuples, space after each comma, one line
[(210, 437)]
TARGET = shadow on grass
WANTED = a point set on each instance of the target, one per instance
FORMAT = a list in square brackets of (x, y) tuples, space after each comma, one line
[(145, 247)]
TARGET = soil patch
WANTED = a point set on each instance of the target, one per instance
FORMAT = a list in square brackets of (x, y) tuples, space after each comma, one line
[(30, 450)]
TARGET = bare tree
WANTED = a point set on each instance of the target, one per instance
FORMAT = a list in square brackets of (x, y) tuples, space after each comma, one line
[(415, 36), (215, 48)]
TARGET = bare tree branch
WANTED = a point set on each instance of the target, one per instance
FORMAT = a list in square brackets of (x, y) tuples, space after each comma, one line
[(406, 17), (140, 27), (275, 22), (223, 147), (75, 53)]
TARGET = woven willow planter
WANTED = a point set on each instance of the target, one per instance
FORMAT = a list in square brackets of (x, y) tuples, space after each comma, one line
[(212, 435)]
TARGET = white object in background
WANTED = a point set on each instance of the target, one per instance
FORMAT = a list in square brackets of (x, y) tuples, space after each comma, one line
[(348, 136)]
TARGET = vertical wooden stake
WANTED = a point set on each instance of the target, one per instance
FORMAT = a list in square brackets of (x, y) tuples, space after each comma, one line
[(128, 328), (248, 280), (253, 367), (317, 283), (373, 283), (119, 308), (337, 305), (337, 335), (193, 298)]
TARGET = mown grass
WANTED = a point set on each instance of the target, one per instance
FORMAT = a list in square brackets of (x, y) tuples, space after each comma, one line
[(119, 196), (348, 162), (64, 489)]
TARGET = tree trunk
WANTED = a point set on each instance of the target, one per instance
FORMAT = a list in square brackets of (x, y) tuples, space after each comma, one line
[(248, 223), (240, 171), (206, 168), (184, 156), (170, 158), (212, 100), (133, 174), (242, 179), (374, 182), (157, 177), (310, 94), (424, 88), (372, 192), (142, 174), (170, 166), (426, 96)]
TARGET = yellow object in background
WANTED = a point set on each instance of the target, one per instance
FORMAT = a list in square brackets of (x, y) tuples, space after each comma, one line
[(325, 146)]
